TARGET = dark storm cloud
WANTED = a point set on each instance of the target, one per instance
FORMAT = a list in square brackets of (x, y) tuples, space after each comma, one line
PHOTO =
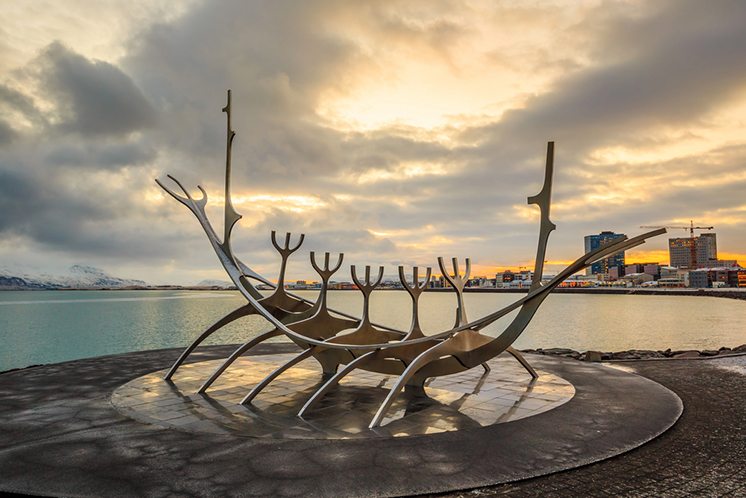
[(97, 155), (54, 190), (93, 97), (274, 57), (87, 222)]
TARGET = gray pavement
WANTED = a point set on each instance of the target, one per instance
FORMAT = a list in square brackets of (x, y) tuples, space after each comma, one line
[(704, 454), (60, 435)]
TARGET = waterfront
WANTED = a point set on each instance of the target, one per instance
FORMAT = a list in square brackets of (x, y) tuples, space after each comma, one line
[(52, 326)]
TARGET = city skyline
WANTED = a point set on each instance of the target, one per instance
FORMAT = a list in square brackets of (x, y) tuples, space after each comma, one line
[(395, 132)]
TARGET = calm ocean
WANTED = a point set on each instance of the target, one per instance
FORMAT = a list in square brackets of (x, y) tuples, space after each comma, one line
[(52, 326)]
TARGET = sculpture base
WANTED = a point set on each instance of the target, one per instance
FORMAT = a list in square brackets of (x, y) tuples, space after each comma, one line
[(63, 436), (467, 400)]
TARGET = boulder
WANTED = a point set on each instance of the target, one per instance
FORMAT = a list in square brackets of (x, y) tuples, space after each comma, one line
[(708, 352), (687, 354), (646, 353), (625, 355), (593, 356), (740, 349), (559, 351)]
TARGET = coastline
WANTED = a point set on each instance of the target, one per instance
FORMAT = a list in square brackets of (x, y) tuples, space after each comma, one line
[(731, 293), (592, 356)]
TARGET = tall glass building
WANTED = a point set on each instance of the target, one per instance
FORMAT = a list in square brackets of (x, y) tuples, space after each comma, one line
[(602, 267)]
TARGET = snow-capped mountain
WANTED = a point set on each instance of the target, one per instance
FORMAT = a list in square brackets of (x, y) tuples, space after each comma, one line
[(215, 283), (77, 277)]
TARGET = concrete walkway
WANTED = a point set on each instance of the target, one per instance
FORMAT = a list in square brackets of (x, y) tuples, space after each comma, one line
[(704, 454), (60, 435)]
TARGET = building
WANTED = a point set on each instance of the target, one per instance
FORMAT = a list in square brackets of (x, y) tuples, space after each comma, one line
[(480, 282), (698, 279), (670, 276), (636, 279), (578, 280), (653, 269), (704, 278), (506, 276), (727, 263), (693, 252), (707, 249), (593, 242), (681, 252)]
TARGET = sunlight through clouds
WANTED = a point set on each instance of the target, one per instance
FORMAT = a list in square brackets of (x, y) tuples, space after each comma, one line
[(395, 131)]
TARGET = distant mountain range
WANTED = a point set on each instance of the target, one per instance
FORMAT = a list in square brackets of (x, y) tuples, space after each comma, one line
[(77, 277), (223, 284)]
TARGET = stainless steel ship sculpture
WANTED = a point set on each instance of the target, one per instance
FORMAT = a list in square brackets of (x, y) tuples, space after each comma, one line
[(336, 339)]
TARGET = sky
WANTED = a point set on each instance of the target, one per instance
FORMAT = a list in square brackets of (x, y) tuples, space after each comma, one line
[(392, 131)]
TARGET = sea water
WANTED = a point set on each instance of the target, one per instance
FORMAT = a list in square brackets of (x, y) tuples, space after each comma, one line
[(50, 326)]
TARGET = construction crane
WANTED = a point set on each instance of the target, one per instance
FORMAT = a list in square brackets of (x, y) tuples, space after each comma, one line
[(691, 228)]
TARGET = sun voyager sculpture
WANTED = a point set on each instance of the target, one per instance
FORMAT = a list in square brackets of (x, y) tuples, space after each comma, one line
[(340, 342)]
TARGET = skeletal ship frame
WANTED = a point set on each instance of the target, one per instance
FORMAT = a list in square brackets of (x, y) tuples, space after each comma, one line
[(342, 343)]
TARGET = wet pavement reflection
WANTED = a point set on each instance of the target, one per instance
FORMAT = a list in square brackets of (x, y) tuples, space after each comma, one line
[(466, 400)]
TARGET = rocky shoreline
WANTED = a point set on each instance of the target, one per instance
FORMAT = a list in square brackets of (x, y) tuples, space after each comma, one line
[(637, 354), (629, 354)]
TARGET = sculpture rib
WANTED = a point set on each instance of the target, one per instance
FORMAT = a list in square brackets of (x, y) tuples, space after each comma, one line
[(243, 349), (264, 383), (230, 317), (329, 384)]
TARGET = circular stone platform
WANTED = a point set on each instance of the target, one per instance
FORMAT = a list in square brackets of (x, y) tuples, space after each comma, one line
[(466, 400), (61, 434)]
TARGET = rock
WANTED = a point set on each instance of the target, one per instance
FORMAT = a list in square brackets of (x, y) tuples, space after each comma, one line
[(725, 351), (740, 349), (708, 352), (625, 355), (593, 356), (559, 351), (605, 356), (646, 353), (687, 354), (667, 353)]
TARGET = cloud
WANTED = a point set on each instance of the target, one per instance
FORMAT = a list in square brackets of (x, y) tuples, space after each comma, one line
[(7, 134), (92, 97), (617, 86)]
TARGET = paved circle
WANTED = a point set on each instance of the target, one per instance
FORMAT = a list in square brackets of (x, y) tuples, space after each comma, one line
[(60, 435), (466, 400)]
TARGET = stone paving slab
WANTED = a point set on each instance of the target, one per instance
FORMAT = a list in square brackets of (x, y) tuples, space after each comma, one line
[(60, 435)]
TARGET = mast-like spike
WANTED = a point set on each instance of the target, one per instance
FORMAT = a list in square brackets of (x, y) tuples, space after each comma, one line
[(231, 216), (543, 199)]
